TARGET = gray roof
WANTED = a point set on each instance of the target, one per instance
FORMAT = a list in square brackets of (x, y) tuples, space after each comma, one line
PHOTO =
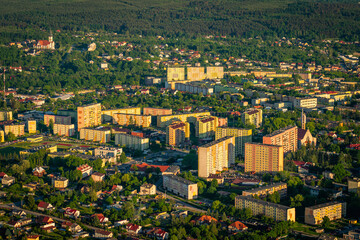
[(265, 187), (250, 198)]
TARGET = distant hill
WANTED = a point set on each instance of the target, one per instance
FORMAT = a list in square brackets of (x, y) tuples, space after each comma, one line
[(244, 18)]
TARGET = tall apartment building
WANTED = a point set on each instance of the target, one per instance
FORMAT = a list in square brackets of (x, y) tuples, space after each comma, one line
[(305, 102), (263, 158), (275, 211), (286, 137), (67, 130), (107, 115), (31, 126), (6, 116), (130, 141), (180, 186), (333, 210), (216, 156), (132, 119), (89, 116), (96, 135), (206, 126), (252, 116), (156, 111), (177, 133), (281, 188), (56, 119), (18, 129), (164, 121), (242, 136)]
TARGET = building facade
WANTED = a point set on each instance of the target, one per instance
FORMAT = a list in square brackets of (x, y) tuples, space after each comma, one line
[(67, 130), (333, 210), (89, 116), (130, 141), (56, 119), (263, 158), (216, 156), (107, 115), (31, 126), (18, 129), (156, 111), (132, 119), (242, 136), (6, 116), (275, 211), (96, 135), (60, 182), (206, 126), (177, 133), (281, 188), (286, 137), (164, 121), (353, 185), (180, 186), (305, 102), (252, 116)]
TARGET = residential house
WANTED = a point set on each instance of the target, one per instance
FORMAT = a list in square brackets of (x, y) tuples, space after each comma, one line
[(2, 175), (147, 189), (47, 224), (157, 233), (39, 172), (14, 223), (44, 206), (18, 213), (205, 219), (133, 228), (71, 213), (72, 227), (7, 181), (60, 182), (33, 237), (237, 227), (102, 219), (85, 170), (98, 177), (103, 234)]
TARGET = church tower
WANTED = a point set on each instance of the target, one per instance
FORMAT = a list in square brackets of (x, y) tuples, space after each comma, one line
[(303, 120), (51, 39)]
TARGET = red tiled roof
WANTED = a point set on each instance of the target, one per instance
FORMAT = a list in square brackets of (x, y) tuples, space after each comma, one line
[(206, 218), (103, 232), (142, 167), (238, 225), (43, 204), (2, 174), (132, 227), (43, 42)]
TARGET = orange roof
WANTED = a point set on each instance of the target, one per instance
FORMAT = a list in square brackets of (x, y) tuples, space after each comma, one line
[(143, 166), (43, 42), (238, 225), (206, 218)]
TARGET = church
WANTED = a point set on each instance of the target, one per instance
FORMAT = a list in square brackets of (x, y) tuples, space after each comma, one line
[(46, 44), (304, 136)]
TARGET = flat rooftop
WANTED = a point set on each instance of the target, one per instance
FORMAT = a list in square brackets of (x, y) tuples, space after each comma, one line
[(250, 198), (216, 142), (282, 130)]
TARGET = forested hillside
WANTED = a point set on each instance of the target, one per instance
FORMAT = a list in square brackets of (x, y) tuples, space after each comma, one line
[(246, 18)]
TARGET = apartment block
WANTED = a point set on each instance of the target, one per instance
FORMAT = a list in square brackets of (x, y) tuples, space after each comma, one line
[(214, 72), (156, 111), (286, 137), (275, 211), (333, 210), (18, 129), (6, 116), (205, 126), (175, 73), (252, 116), (281, 188), (242, 136), (147, 189), (353, 185), (263, 158), (132, 119), (56, 119), (305, 102), (31, 126), (60, 182), (180, 186), (130, 141), (89, 116), (108, 152), (164, 121), (216, 156), (191, 87), (67, 130), (177, 133), (107, 115), (96, 135)]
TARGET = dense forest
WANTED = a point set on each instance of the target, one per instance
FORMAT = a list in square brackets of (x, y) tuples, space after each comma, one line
[(246, 18)]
